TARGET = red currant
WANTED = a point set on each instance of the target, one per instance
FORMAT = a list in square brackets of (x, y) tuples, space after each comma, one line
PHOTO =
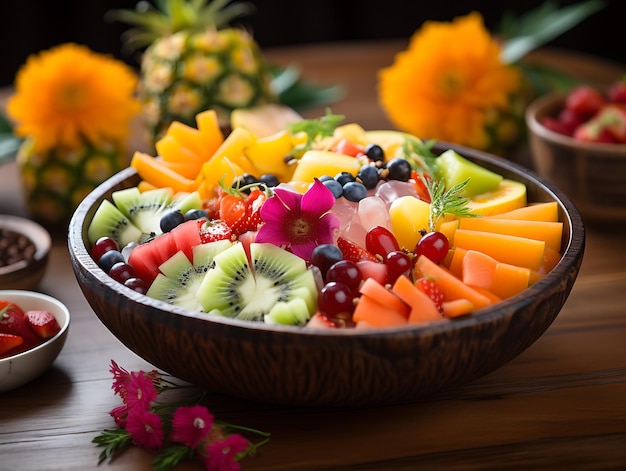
[(335, 298), (380, 241), (434, 245), (398, 263)]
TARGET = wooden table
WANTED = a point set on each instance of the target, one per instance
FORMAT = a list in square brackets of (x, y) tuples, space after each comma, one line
[(561, 404)]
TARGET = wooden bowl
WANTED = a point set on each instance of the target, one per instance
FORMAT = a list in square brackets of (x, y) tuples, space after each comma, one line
[(592, 174), (341, 367), (27, 272)]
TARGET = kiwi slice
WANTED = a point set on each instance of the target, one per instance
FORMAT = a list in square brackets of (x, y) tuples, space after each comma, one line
[(109, 221), (180, 279), (272, 285), (145, 209)]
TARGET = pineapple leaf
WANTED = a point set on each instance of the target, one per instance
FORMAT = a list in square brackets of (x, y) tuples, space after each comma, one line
[(300, 95), (170, 16)]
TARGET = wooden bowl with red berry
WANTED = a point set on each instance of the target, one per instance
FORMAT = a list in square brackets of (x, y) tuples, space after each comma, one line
[(33, 330), (578, 141)]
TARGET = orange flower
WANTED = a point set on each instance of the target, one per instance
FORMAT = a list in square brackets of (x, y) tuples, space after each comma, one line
[(69, 93), (449, 82)]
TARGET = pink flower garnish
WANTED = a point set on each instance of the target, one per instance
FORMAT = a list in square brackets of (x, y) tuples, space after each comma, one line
[(121, 378), (222, 455), (191, 425), (119, 414), (145, 428), (140, 391), (298, 222)]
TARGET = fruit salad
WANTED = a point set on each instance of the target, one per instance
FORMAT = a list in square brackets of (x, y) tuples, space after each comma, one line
[(320, 224), (22, 330)]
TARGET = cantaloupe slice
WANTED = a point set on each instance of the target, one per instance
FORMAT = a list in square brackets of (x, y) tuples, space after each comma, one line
[(382, 295), (502, 279), (186, 169), (548, 212), (456, 263), (423, 309), (550, 259), (370, 312), (210, 131), (515, 250), (155, 173), (550, 232), (448, 228), (457, 308), (451, 286)]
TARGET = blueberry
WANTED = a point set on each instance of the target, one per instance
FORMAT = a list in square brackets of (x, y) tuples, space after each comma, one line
[(170, 220), (109, 259), (194, 214), (344, 177), (324, 178), (399, 169), (334, 186), (269, 180), (369, 176), (354, 191), (375, 153), (244, 180), (324, 256)]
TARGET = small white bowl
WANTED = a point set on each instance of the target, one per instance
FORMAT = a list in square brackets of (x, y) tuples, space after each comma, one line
[(26, 274), (24, 367)]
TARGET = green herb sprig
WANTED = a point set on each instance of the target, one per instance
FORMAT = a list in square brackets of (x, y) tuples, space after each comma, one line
[(446, 201)]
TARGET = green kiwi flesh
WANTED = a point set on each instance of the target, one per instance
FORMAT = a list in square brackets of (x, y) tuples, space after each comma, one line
[(272, 285), (180, 279), (108, 221)]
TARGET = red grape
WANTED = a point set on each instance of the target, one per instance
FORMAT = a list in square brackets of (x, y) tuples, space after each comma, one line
[(137, 284), (380, 241), (122, 271), (346, 272), (434, 245), (398, 263), (335, 298), (102, 245)]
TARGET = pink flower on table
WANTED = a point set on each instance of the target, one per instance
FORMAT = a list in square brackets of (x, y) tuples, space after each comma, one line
[(121, 378), (119, 414), (145, 428), (222, 455), (191, 425), (298, 222), (140, 391)]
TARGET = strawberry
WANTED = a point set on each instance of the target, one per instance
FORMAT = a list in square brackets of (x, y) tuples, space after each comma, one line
[(254, 201), (9, 342), (210, 231), (613, 118), (430, 288), (420, 186), (233, 211), (43, 323), (617, 92), (13, 321), (321, 321), (354, 252), (585, 100)]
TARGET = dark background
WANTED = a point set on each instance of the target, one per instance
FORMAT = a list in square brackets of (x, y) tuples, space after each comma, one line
[(29, 26)]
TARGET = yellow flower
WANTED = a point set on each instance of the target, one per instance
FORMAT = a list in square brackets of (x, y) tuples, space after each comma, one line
[(69, 93), (448, 82)]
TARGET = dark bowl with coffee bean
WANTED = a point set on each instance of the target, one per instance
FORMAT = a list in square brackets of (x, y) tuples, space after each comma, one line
[(24, 250)]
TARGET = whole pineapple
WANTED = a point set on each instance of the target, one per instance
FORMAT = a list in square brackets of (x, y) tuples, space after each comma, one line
[(194, 63)]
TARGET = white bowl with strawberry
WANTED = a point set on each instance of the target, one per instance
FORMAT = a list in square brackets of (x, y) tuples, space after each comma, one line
[(578, 141), (33, 331), (381, 269)]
